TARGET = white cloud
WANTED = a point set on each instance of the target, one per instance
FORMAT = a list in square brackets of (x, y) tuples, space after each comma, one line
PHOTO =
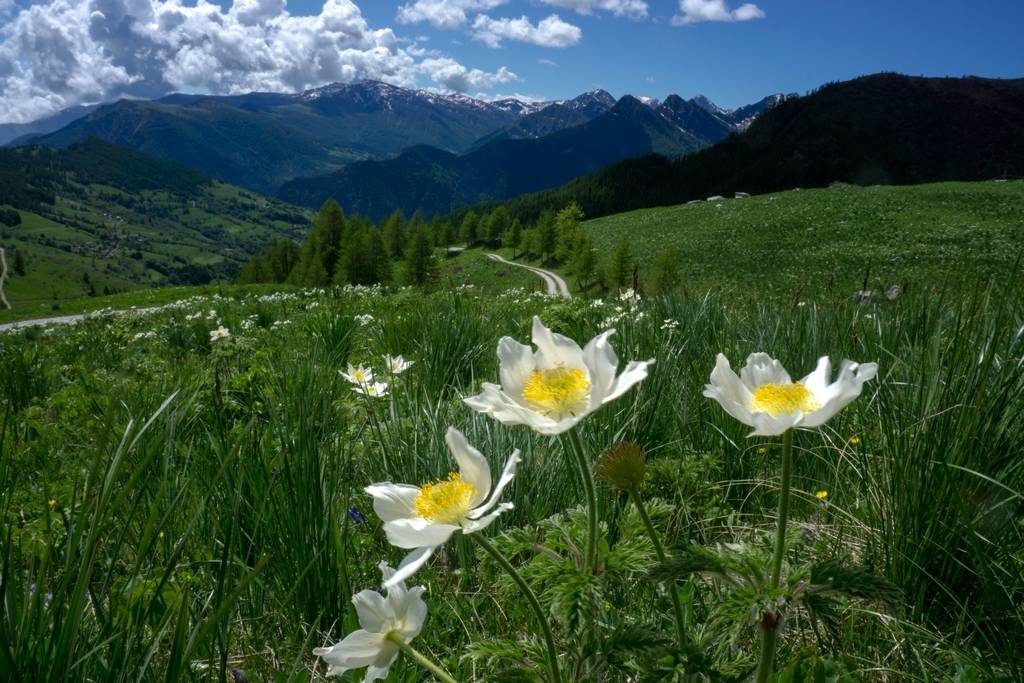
[(550, 32), (452, 76), (634, 9), (446, 14), (547, 62), (696, 11), (61, 53)]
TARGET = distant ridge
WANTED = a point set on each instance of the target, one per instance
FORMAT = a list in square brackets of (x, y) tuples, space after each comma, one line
[(518, 159), (879, 129)]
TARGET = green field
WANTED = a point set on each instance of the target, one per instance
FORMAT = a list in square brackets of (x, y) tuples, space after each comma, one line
[(97, 239), (825, 243), (174, 508)]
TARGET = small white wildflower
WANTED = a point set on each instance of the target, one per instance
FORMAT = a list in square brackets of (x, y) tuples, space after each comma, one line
[(364, 319), (219, 333), (396, 364), (670, 324)]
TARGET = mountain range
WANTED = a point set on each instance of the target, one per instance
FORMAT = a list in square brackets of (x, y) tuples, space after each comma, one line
[(263, 140), (542, 149), (880, 129)]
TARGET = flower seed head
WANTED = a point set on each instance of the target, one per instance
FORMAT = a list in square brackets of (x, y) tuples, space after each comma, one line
[(623, 466)]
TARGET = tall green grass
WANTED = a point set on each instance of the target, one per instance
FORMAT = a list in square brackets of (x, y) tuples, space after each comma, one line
[(208, 514)]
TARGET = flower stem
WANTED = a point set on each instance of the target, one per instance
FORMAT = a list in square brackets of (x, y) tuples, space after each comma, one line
[(420, 658), (769, 634), (531, 597), (659, 551), (590, 490)]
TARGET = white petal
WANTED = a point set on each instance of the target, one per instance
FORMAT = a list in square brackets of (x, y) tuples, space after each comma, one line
[(763, 369), (411, 613), (768, 425), (372, 610), (507, 475), (515, 361), (393, 501), (473, 467), (485, 521), (817, 381), (409, 566), (555, 350), (494, 402), (380, 667), (842, 392), (636, 371), (417, 532), (602, 363), (729, 391), (357, 650)]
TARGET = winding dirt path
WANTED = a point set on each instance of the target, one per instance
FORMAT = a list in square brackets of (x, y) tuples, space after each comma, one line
[(556, 285)]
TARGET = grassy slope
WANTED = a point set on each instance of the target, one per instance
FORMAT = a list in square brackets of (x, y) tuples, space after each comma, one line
[(938, 235), (145, 239), (265, 448)]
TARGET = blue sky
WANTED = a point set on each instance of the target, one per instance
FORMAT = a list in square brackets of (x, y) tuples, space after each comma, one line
[(67, 52)]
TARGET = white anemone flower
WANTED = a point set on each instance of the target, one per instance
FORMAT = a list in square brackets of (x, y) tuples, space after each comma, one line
[(553, 388), (764, 397), (396, 364), (423, 518), (219, 333), (374, 389), (358, 375), (399, 615)]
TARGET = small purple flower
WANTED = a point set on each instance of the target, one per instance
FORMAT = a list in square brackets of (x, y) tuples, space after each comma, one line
[(355, 515)]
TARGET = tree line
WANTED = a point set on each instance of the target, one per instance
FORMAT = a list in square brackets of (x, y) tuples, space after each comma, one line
[(344, 249)]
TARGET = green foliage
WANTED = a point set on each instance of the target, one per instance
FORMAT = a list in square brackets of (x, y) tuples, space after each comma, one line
[(9, 217), (513, 237), (664, 277), (250, 471), (469, 230), (620, 272), (496, 224), (273, 264), (419, 257)]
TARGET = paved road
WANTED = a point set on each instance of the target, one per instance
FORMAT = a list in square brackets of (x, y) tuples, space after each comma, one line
[(556, 285), (65, 319)]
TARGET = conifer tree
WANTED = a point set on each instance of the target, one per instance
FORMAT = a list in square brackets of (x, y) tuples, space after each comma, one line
[(665, 272), (567, 230), (394, 233), (547, 235), (513, 237), (419, 258), (469, 232), (621, 270), (496, 224)]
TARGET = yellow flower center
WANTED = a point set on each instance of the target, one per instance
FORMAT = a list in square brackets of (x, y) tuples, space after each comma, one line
[(446, 501), (557, 392), (780, 399), (359, 376), (821, 495)]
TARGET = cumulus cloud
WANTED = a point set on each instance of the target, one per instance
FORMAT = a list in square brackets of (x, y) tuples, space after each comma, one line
[(696, 11), (446, 14), (550, 32), (61, 53), (452, 76), (634, 9)]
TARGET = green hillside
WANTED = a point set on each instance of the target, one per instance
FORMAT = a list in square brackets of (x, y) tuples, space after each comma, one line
[(98, 218), (816, 242)]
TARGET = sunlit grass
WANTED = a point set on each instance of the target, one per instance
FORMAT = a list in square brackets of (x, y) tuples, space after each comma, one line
[(173, 506)]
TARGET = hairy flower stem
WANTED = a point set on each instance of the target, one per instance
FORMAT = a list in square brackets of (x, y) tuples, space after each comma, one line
[(769, 634), (531, 597), (659, 551), (587, 476), (420, 658)]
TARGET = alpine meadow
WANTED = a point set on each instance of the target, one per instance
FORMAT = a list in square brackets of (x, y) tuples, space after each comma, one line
[(382, 341)]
